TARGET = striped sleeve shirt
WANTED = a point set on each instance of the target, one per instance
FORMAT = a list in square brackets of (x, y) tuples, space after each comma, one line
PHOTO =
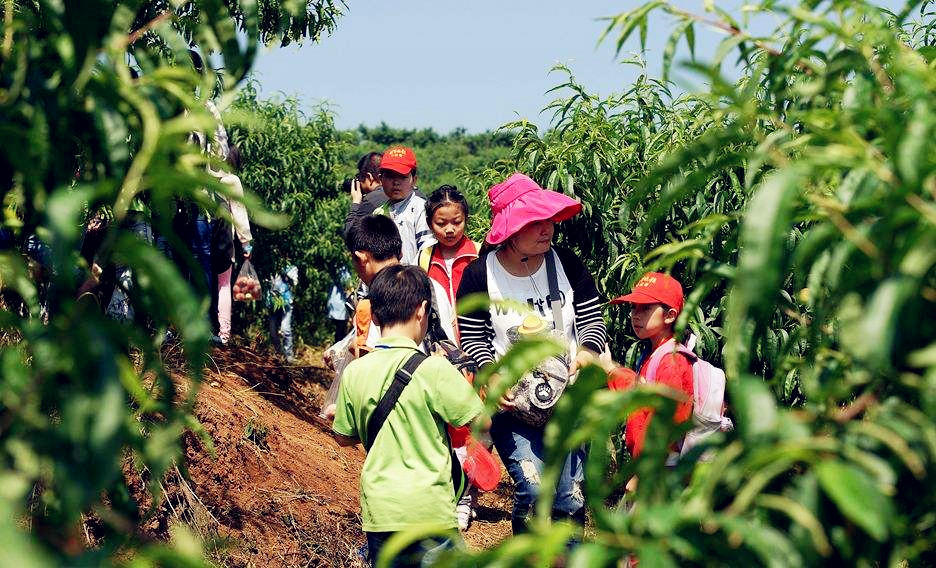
[(477, 330)]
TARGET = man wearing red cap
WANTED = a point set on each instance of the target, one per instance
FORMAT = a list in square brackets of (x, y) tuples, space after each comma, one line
[(406, 208), (655, 302)]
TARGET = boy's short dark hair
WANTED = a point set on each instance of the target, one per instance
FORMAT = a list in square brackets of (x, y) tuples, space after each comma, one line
[(396, 292), (369, 164), (376, 234)]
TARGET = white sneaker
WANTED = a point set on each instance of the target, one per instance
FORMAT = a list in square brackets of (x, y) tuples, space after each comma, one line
[(464, 509), (464, 513)]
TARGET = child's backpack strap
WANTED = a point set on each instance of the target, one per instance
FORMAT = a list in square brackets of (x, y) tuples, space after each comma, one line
[(662, 351), (390, 397), (425, 258)]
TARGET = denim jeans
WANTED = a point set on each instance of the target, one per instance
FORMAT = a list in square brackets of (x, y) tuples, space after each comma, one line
[(520, 447), (120, 307), (281, 331), (420, 553), (201, 247)]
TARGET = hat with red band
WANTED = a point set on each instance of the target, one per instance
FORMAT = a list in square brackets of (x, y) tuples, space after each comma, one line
[(655, 288), (400, 159), (519, 201)]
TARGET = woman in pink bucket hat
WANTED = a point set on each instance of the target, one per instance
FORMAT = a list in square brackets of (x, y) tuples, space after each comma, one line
[(556, 288)]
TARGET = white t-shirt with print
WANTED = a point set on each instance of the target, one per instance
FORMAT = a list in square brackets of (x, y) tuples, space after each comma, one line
[(529, 290), (409, 216)]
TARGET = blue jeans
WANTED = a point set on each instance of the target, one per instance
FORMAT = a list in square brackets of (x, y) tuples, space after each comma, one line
[(201, 247), (120, 307), (520, 447), (420, 553), (281, 331)]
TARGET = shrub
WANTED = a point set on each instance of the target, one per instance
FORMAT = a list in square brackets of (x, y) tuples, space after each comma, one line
[(798, 202), (291, 162)]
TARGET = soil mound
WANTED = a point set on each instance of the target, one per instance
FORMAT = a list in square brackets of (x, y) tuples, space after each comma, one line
[(279, 491)]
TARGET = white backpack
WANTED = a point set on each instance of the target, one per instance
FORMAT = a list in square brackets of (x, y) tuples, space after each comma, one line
[(708, 392)]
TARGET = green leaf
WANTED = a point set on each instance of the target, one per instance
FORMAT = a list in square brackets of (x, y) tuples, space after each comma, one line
[(653, 555), (591, 555), (755, 406), (856, 496), (630, 21), (760, 266), (19, 548), (871, 337)]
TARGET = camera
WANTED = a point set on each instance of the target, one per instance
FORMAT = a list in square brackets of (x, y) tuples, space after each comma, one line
[(347, 184)]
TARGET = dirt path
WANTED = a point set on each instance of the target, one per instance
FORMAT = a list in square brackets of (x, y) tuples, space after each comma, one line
[(280, 491)]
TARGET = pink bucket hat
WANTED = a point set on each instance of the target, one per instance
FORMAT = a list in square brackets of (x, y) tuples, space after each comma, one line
[(519, 201)]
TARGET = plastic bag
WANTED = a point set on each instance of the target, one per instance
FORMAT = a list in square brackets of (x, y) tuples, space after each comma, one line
[(481, 467), (339, 355), (247, 285)]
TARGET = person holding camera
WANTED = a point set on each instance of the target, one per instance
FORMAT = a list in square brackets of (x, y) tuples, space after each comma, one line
[(365, 190)]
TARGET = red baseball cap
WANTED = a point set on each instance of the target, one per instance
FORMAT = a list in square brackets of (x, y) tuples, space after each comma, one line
[(399, 159), (655, 288)]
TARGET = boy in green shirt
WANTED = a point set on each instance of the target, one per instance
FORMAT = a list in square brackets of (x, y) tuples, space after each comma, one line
[(406, 481)]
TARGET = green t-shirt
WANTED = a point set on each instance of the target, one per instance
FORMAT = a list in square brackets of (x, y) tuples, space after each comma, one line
[(406, 480)]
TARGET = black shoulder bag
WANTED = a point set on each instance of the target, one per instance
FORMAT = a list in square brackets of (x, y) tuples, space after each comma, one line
[(402, 378)]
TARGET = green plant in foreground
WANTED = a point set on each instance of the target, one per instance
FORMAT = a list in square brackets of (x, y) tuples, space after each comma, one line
[(84, 399), (807, 201)]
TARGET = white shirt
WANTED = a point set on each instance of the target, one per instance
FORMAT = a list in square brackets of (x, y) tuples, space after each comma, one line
[(446, 312), (446, 317), (532, 291), (410, 218)]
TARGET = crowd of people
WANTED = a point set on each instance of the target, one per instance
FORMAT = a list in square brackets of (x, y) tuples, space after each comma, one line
[(207, 235), (404, 387), (410, 411)]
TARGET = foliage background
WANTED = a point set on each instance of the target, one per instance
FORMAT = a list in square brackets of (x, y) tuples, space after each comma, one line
[(292, 163), (81, 395), (797, 205)]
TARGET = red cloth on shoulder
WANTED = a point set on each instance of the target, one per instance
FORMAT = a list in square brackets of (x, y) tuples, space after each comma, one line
[(675, 371)]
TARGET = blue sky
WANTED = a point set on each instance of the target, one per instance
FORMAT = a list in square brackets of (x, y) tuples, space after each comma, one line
[(478, 64)]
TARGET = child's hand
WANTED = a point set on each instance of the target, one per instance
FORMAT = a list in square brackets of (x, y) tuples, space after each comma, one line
[(622, 378)]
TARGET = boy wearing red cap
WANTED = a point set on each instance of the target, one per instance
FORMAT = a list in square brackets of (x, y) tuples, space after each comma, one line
[(655, 301), (407, 209)]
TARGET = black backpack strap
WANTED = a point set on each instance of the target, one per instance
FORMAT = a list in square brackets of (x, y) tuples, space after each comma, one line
[(402, 378), (555, 301)]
